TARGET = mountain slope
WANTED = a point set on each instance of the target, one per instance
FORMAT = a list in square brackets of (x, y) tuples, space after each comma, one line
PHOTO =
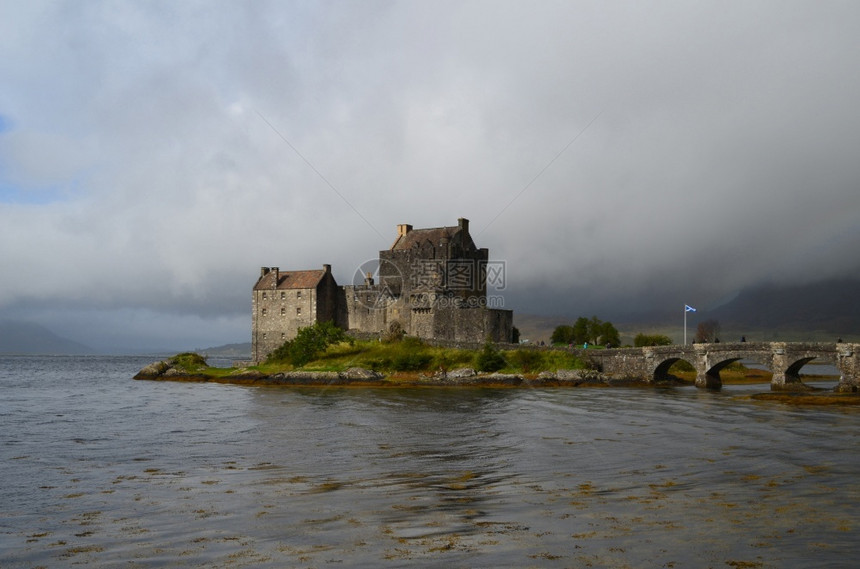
[(820, 311), (27, 338), (830, 306)]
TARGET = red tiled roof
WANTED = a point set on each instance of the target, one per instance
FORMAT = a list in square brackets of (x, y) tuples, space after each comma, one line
[(290, 280)]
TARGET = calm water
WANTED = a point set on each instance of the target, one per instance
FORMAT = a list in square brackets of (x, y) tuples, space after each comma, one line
[(99, 470)]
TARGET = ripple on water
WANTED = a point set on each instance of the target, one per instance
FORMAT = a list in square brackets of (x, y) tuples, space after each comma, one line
[(196, 474)]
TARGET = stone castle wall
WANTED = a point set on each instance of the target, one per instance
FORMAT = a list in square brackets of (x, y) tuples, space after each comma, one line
[(278, 314), (432, 282)]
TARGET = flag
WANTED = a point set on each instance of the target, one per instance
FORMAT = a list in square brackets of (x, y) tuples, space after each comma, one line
[(688, 308)]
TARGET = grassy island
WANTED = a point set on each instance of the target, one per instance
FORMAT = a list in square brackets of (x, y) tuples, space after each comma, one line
[(404, 361), (323, 355)]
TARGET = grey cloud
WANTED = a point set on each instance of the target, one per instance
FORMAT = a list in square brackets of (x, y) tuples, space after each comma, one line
[(722, 154)]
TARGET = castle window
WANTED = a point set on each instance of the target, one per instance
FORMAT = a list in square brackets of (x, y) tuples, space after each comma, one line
[(283, 311), (283, 335), (298, 294), (263, 312), (264, 296), (283, 295), (264, 335), (298, 310)]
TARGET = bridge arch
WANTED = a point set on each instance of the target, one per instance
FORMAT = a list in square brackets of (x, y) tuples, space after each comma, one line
[(661, 371), (714, 358), (790, 360), (784, 359), (715, 369), (712, 373)]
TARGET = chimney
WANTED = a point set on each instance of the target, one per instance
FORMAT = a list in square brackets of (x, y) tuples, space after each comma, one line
[(277, 276), (368, 279), (403, 229), (445, 246), (264, 271), (464, 224), (327, 268)]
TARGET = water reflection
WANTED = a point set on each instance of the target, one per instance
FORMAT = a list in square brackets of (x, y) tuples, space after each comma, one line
[(228, 476)]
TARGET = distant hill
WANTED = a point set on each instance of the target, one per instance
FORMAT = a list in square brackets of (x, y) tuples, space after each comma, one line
[(820, 311), (18, 337), (237, 351), (535, 328), (825, 308)]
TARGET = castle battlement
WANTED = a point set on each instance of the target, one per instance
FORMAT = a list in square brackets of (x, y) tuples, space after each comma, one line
[(432, 282)]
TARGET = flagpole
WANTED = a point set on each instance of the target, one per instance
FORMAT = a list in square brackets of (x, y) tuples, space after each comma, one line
[(687, 308)]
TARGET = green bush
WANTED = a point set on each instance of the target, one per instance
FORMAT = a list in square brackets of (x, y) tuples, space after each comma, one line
[(188, 361), (395, 333), (642, 340), (489, 358), (411, 361), (526, 360), (377, 364), (308, 344)]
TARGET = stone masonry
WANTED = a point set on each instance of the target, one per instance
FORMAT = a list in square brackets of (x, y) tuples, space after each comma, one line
[(432, 282), (784, 359)]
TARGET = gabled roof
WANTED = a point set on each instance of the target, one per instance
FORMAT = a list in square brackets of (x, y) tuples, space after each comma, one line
[(416, 236), (290, 280)]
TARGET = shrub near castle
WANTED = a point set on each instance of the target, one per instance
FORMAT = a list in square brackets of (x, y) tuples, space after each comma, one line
[(309, 343), (324, 347)]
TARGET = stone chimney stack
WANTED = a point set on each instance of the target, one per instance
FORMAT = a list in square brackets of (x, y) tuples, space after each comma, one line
[(277, 272), (403, 229), (264, 271), (464, 224), (327, 268), (445, 246)]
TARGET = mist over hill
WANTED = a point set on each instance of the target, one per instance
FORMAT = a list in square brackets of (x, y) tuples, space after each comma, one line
[(822, 311), (828, 307), (236, 350), (17, 337)]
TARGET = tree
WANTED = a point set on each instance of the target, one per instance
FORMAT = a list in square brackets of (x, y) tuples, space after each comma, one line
[(580, 330), (708, 331), (651, 340), (608, 335), (563, 334), (592, 330)]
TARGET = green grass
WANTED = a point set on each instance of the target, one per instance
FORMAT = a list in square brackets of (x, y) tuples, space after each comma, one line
[(413, 355), (189, 362)]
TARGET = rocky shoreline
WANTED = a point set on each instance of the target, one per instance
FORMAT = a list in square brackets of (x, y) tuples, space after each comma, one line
[(166, 370)]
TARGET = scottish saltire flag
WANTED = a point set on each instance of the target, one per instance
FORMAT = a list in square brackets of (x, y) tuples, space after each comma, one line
[(688, 308)]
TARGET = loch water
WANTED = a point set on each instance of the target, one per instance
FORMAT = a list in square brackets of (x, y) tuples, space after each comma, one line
[(100, 470)]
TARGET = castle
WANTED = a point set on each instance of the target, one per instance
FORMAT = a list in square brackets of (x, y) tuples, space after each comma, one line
[(432, 282)]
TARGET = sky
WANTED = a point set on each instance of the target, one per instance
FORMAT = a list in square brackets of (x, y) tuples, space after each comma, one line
[(617, 156)]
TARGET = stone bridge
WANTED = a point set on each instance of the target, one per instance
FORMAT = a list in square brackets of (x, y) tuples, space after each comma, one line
[(784, 359)]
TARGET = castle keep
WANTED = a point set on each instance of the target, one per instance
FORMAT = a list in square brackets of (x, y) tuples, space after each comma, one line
[(432, 282)]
